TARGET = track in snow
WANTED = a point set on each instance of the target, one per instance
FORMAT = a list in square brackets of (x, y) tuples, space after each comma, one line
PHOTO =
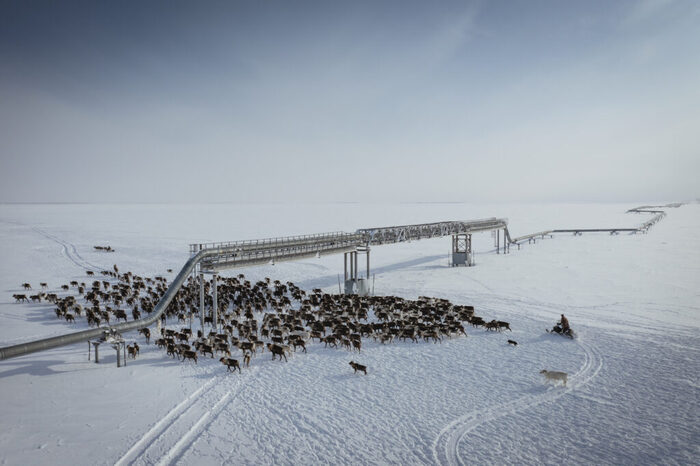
[(170, 437), (445, 447), (69, 250)]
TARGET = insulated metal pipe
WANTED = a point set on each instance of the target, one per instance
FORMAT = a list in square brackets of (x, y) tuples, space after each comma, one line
[(84, 335)]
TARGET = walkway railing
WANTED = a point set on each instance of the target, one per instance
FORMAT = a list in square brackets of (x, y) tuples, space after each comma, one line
[(398, 234), (256, 252)]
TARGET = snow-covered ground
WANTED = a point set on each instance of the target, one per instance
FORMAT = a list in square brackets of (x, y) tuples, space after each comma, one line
[(633, 395)]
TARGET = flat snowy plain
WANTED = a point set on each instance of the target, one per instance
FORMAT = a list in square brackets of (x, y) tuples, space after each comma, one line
[(632, 398)]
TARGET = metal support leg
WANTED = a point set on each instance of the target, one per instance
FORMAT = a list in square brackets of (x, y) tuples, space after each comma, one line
[(96, 344), (214, 309), (470, 257), (352, 263), (201, 300), (345, 257), (367, 264)]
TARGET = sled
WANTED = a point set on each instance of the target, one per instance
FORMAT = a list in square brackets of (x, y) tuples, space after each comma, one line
[(558, 331)]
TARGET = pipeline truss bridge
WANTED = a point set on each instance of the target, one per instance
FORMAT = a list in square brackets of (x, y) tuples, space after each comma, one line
[(211, 258), (263, 251)]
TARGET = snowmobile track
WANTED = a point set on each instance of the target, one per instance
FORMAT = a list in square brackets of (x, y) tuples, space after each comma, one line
[(69, 250), (170, 437), (445, 447)]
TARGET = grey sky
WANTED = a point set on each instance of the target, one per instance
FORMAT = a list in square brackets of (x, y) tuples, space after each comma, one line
[(331, 101)]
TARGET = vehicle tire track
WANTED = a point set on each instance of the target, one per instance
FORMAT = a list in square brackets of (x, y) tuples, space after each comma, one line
[(445, 446), (189, 437), (160, 428), (69, 250)]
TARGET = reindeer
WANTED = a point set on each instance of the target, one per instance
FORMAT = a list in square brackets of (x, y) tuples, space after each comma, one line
[(358, 367), (146, 332), (190, 355), (133, 350), (229, 363), (277, 350)]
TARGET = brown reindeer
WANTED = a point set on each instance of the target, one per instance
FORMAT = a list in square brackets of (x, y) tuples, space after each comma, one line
[(146, 332), (358, 367), (229, 363), (133, 350), (190, 355), (277, 350)]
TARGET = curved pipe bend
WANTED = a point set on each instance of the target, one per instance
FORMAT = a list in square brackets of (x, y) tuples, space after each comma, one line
[(84, 335)]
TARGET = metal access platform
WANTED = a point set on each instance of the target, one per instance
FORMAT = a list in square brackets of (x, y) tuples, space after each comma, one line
[(397, 234), (262, 251)]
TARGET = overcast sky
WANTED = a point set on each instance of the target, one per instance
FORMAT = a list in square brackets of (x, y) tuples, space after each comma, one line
[(349, 101)]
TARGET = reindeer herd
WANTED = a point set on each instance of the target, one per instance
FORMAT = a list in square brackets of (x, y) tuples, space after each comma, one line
[(102, 301), (253, 317)]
